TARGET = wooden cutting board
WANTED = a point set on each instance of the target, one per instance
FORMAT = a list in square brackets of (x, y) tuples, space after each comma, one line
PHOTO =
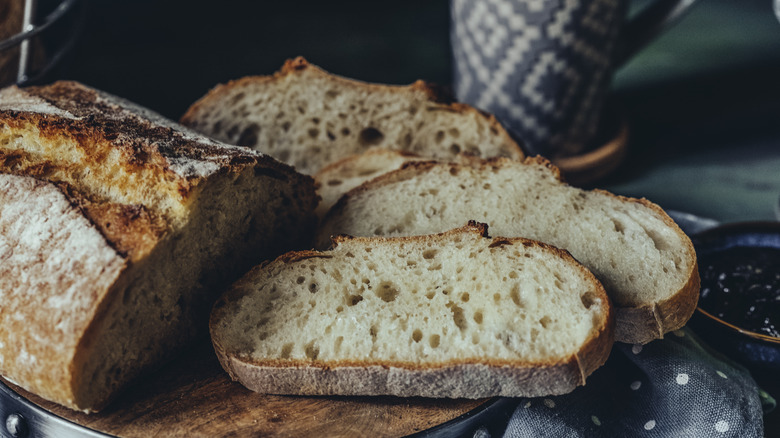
[(194, 397)]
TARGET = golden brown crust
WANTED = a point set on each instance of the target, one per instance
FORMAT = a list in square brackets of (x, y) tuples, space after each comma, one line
[(473, 378)]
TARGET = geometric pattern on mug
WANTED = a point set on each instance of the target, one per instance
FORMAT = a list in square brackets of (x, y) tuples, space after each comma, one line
[(538, 65)]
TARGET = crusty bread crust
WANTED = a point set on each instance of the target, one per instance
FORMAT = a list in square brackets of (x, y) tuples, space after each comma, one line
[(123, 179), (475, 378), (635, 324)]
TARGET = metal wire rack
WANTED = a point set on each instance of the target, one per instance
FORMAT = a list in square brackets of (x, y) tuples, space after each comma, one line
[(67, 15)]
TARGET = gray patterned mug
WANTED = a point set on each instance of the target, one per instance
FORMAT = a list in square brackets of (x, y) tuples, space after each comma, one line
[(544, 67)]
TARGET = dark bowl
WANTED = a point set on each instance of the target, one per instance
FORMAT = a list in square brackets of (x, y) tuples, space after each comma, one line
[(757, 351)]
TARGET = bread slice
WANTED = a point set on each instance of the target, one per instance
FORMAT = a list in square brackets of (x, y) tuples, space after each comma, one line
[(646, 263), (344, 175), (309, 118), (416, 316), (118, 229)]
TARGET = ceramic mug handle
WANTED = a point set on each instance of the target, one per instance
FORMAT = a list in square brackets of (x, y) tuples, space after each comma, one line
[(646, 25)]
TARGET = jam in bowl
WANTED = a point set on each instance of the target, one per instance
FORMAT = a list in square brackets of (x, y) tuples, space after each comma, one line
[(739, 305)]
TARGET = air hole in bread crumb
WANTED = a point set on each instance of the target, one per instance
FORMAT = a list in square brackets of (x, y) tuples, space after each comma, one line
[(417, 335), (314, 133), (475, 338), (588, 299), (286, 350), (373, 332), (434, 340), (439, 136), (496, 297), (370, 137), (334, 182), (465, 297), (618, 226), (454, 132), (478, 317), (286, 126), (345, 131), (515, 295), (387, 291), (454, 171), (430, 294), (332, 94), (339, 309), (337, 344), (545, 321), (354, 299), (311, 350), (313, 287), (331, 135), (232, 132), (315, 120), (378, 231), (300, 280), (458, 316), (249, 135), (429, 254), (237, 98)]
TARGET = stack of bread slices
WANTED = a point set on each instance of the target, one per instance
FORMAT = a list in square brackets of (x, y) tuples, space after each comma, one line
[(402, 297), (448, 264)]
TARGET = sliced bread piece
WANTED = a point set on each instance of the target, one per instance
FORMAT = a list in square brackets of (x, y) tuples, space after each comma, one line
[(646, 263), (118, 229), (344, 175), (309, 118), (416, 316)]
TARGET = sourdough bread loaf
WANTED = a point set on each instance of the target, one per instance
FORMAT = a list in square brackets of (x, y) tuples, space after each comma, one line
[(309, 118), (118, 229), (416, 316), (646, 263)]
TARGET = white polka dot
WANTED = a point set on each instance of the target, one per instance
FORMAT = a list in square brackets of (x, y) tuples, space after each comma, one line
[(636, 349), (635, 385), (527, 405), (722, 374), (679, 333), (650, 425), (549, 403), (682, 379), (722, 426), (596, 420)]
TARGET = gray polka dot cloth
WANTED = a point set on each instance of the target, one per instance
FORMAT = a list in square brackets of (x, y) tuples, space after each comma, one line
[(674, 387)]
